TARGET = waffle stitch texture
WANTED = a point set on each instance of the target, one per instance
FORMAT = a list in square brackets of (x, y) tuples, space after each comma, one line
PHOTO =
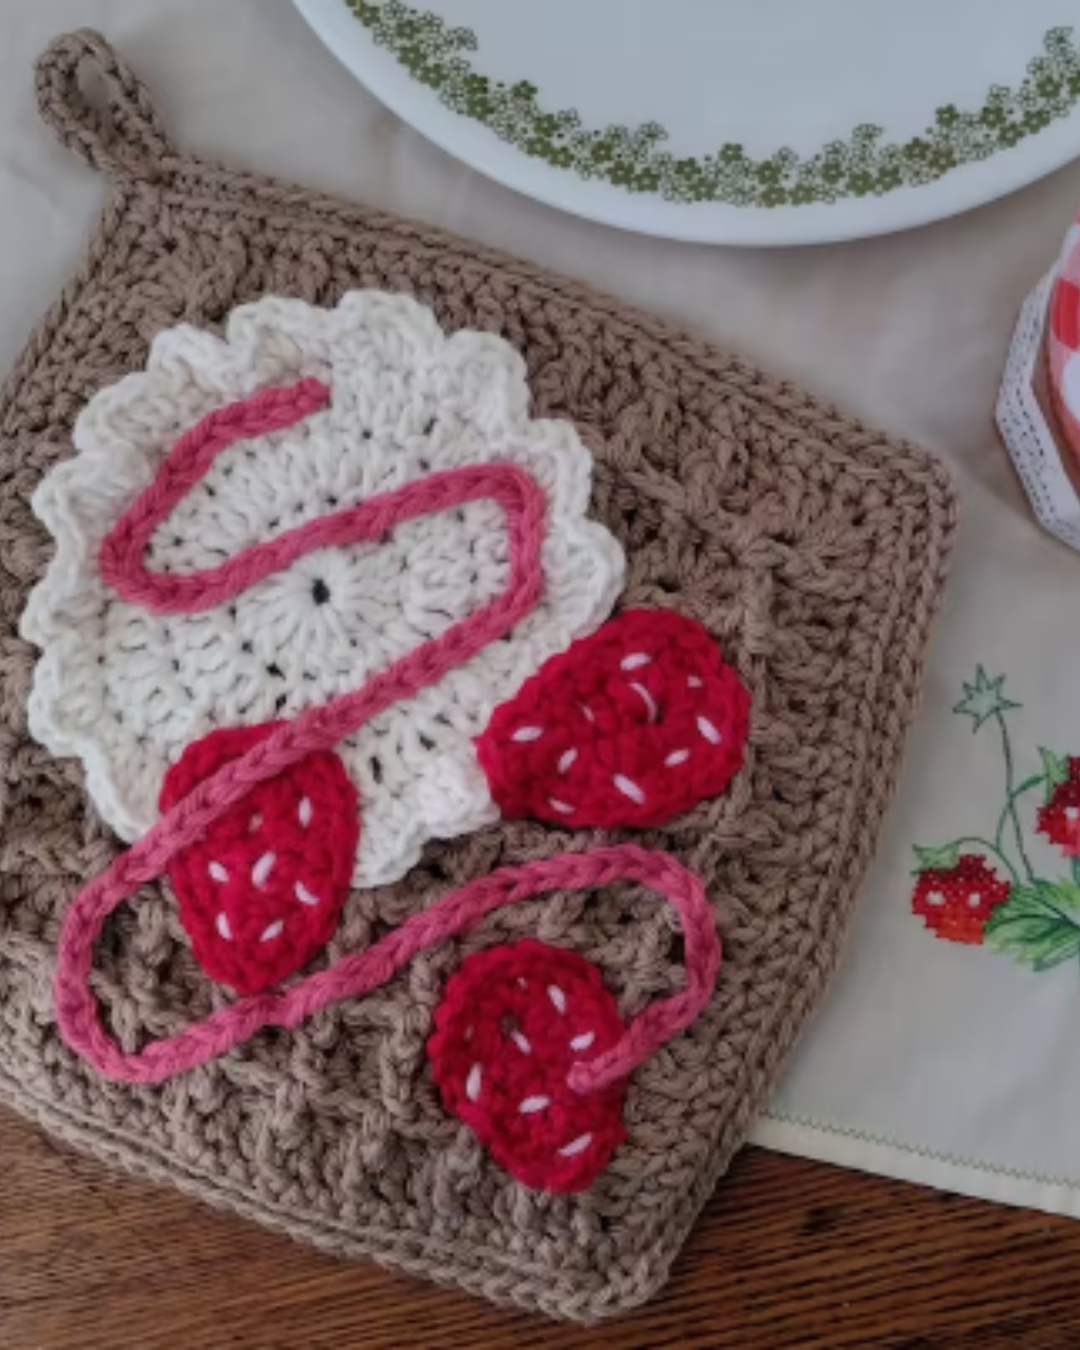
[(812, 548)]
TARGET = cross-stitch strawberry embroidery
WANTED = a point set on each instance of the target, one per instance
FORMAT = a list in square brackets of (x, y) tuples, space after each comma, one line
[(983, 889)]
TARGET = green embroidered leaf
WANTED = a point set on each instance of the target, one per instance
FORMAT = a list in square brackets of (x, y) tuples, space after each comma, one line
[(984, 698), (942, 859), (1038, 925), (1055, 770), (1063, 894)]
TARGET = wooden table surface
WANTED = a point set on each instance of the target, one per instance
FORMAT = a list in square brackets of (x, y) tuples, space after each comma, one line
[(788, 1254)]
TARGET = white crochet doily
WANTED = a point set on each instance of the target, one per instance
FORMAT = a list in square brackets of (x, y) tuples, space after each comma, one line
[(126, 691)]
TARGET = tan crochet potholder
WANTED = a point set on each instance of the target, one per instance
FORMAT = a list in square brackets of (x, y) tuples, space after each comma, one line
[(811, 548)]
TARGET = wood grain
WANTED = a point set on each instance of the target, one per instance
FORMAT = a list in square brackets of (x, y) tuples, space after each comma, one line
[(788, 1254)]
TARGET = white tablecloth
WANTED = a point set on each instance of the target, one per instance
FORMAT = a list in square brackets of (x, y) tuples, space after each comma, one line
[(938, 1062)]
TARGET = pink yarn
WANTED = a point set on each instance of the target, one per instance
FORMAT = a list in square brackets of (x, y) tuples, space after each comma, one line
[(522, 500), (360, 973)]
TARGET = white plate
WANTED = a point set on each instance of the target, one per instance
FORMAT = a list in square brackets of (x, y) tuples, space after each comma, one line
[(731, 121)]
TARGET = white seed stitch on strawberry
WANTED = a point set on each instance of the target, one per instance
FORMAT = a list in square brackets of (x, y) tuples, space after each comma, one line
[(637, 723), (261, 892)]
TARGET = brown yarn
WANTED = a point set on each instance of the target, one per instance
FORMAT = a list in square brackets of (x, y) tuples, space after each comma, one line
[(812, 548)]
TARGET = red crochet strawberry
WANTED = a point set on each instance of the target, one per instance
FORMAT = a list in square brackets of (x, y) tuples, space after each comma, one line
[(513, 1022), (263, 890), (1059, 819), (630, 726), (955, 902)]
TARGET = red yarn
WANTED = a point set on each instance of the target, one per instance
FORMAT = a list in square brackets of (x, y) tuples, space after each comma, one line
[(316, 731), (262, 891), (214, 791), (630, 726), (320, 728), (513, 1023)]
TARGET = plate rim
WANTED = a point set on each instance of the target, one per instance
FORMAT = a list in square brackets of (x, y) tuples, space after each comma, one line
[(963, 187)]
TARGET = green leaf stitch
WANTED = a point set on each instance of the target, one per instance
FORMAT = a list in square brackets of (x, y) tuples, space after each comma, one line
[(1039, 925), (937, 859), (1055, 770)]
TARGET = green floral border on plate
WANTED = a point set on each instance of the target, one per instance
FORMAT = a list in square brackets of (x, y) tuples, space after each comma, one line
[(633, 158)]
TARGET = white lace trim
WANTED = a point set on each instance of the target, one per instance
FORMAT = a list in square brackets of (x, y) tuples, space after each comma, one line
[(1023, 426)]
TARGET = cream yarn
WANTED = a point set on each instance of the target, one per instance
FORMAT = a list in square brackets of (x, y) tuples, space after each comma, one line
[(125, 690)]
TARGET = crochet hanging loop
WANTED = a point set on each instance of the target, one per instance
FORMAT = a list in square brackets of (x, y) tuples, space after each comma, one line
[(116, 128)]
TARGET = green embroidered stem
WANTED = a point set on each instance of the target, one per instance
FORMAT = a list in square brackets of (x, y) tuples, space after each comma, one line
[(1036, 780), (1074, 868), (1010, 812)]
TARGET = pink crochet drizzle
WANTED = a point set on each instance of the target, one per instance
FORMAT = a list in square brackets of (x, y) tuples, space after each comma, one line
[(360, 973), (318, 730)]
